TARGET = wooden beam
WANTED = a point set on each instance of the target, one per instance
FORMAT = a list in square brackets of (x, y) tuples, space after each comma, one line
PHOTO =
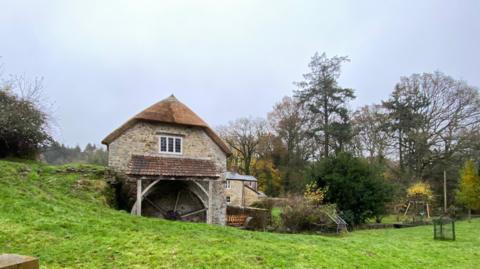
[(164, 212), (176, 202), (182, 178), (201, 188), (194, 212), (406, 211)]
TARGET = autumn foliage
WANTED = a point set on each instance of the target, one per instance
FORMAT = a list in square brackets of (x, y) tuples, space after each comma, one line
[(469, 189), (420, 190)]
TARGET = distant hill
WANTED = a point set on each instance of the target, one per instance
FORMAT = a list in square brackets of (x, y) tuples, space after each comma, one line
[(64, 215)]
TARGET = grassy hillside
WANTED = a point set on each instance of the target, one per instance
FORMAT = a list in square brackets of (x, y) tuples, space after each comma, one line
[(61, 215)]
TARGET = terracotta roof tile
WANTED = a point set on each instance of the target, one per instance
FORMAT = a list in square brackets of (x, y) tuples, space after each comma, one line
[(144, 165)]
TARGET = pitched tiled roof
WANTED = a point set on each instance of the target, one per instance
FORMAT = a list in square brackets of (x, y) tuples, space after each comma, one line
[(237, 176), (145, 165), (169, 110)]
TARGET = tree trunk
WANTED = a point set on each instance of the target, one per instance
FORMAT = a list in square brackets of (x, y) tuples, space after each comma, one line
[(325, 127), (469, 214), (246, 165), (400, 151)]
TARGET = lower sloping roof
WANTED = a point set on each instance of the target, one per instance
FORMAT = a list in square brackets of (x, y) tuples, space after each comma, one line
[(146, 165), (237, 176)]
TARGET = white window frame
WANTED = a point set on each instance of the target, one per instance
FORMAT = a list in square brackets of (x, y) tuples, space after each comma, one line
[(228, 199), (228, 184), (174, 144)]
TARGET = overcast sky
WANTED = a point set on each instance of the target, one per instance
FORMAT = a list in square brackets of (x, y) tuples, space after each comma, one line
[(104, 61)]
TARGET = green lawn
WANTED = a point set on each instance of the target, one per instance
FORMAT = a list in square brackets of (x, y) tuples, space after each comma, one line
[(62, 217)]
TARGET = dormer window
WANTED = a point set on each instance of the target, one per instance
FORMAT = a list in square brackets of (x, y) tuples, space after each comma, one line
[(170, 144)]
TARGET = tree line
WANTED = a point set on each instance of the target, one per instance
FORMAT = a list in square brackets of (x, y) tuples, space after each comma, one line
[(56, 153), (25, 126), (427, 126), (359, 159)]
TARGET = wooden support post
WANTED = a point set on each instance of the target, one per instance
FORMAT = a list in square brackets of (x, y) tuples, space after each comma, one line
[(139, 197), (428, 211), (176, 202), (406, 210), (445, 191)]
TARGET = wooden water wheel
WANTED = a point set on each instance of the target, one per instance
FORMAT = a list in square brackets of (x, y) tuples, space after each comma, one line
[(175, 201)]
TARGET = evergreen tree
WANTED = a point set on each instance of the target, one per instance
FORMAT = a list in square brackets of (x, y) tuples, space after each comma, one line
[(325, 102), (357, 188)]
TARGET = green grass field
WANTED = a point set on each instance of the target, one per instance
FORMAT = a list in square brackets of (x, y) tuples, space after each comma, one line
[(63, 218)]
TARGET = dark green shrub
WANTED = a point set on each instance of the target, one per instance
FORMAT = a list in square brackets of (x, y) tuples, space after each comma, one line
[(356, 187)]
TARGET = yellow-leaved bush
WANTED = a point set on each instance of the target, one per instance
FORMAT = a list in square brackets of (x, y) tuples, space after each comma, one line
[(420, 190), (314, 194)]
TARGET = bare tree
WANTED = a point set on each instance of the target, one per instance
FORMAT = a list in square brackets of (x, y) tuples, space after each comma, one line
[(244, 136), (289, 125), (430, 114), (288, 122), (371, 134)]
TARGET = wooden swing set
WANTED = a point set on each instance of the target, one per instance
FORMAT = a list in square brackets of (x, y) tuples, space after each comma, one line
[(415, 203)]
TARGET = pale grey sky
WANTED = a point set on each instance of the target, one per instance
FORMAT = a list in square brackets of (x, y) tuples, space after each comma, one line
[(104, 61)]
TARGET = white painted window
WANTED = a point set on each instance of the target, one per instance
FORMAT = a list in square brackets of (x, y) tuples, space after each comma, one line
[(228, 199), (228, 184), (170, 144)]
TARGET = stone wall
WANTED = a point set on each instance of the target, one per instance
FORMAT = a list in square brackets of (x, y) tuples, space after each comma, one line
[(250, 196), (142, 138), (235, 193), (218, 206)]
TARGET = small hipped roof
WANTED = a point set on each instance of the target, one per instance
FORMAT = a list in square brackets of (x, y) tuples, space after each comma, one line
[(169, 110)]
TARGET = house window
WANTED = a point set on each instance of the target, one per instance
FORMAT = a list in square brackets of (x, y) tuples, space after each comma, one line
[(228, 184), (170, 144), (228, 199)]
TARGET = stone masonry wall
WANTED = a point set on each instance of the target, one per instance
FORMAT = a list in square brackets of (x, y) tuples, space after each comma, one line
[(250, 197), (235, 193), (142, 138)]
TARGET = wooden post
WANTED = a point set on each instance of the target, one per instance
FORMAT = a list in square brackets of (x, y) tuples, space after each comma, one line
[(406, 210), (428, 211), (139, 197), (445, 191)]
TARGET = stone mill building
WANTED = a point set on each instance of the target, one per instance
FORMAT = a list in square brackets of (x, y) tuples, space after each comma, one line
[(174, 163)]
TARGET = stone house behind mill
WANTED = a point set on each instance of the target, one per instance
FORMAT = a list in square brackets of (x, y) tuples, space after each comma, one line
[(173, 161), (241, 190)]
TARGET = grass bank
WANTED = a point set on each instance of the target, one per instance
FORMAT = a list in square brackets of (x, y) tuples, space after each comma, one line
[(61, 214)]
